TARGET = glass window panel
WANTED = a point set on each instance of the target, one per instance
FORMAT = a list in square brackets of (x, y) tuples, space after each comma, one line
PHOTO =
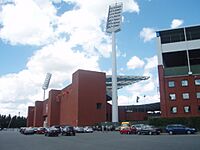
[(184, 82), (185, 95), (187, 109), (174, 109), (172, 96), (171, 84), (198, 94), (197, 82)]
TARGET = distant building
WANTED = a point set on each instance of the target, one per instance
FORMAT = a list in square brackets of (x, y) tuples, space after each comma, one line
[(84, 102), (179, 71)]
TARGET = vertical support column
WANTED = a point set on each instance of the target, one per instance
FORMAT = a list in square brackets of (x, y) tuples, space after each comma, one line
[(188, 58), (114, 82)]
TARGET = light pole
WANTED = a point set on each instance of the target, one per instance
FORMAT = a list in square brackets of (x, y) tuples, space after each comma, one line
[(46, 83), (113, 26)]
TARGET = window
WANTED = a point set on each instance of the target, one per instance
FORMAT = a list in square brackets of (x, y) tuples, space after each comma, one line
[(198, 95), (199, 108), (197, 82), (174, 110), (186, 109), (98, 105), (193, 33), (171, 36), (185, 95), (171, 84), (172, 96), (184, 83)]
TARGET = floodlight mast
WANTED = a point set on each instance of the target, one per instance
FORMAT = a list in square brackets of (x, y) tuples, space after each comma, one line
[(113, 25), (46, 83)]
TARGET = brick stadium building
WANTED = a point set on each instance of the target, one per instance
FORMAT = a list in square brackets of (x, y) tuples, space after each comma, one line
[(179, 71), (84, 102)]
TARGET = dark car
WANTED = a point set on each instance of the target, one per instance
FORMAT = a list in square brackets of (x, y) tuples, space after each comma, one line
[(58, 127), (179, 129), (68, 130), (128, 130), (149, 130), (52, 132)]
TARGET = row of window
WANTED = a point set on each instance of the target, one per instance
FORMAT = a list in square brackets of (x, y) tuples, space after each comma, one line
[(178, 35), (171, 84), (185, 96), (186, 109)]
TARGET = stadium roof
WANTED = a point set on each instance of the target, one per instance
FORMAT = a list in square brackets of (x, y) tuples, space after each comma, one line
[(141, 108), (122, 81)]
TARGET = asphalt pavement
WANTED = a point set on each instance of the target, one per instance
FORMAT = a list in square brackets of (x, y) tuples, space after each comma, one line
[(13, 140)]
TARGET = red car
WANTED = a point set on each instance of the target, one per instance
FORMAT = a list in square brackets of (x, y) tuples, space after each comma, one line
[(128, 130), (41, 130)]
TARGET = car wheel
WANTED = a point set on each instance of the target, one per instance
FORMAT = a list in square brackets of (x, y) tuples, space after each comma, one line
[(188, 132), (150, 133), (170, 132), (138, 133)]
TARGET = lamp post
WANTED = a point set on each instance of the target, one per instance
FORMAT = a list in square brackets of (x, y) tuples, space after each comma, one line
[(113, 26)]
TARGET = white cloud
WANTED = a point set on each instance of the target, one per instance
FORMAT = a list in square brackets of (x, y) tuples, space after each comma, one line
[(147, 90), (26, 23), (151, 62), (135, 62), (81, 47), (58, 59), (147, 34), (176, 23)]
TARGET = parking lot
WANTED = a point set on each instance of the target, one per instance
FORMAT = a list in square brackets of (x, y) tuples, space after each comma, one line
[(13, 140)]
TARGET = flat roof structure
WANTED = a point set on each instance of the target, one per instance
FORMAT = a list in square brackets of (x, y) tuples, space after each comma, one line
[(122, 81)]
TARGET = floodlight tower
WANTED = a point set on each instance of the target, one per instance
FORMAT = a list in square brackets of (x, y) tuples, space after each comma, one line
[(113, 25), (46, 83)]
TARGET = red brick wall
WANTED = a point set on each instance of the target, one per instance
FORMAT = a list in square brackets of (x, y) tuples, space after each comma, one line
[(38, 114), (193, 102), (165, 101), (30, 117), (69, 105), (163, 105), (53, 108), (108, 112), (136, 116), (91, 90)]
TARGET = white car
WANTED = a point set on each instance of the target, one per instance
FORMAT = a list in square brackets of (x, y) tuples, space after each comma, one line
[(88, 130)]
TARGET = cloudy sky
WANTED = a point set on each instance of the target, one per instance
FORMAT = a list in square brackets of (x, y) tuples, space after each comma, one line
[(61, 36)]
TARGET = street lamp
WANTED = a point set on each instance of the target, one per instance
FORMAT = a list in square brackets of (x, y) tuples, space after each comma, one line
[(113, 25)]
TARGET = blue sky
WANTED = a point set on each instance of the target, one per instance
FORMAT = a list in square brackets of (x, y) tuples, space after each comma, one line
[(61, 36)]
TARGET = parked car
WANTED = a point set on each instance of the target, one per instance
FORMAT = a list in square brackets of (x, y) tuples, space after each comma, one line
[(128, 130), (22, 129), (179, 129), (58, 127), (149, 130), (52, 132), (41, 130), (79, 129), (88, 129), (28, 131), (68, 130), (138, 127)]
